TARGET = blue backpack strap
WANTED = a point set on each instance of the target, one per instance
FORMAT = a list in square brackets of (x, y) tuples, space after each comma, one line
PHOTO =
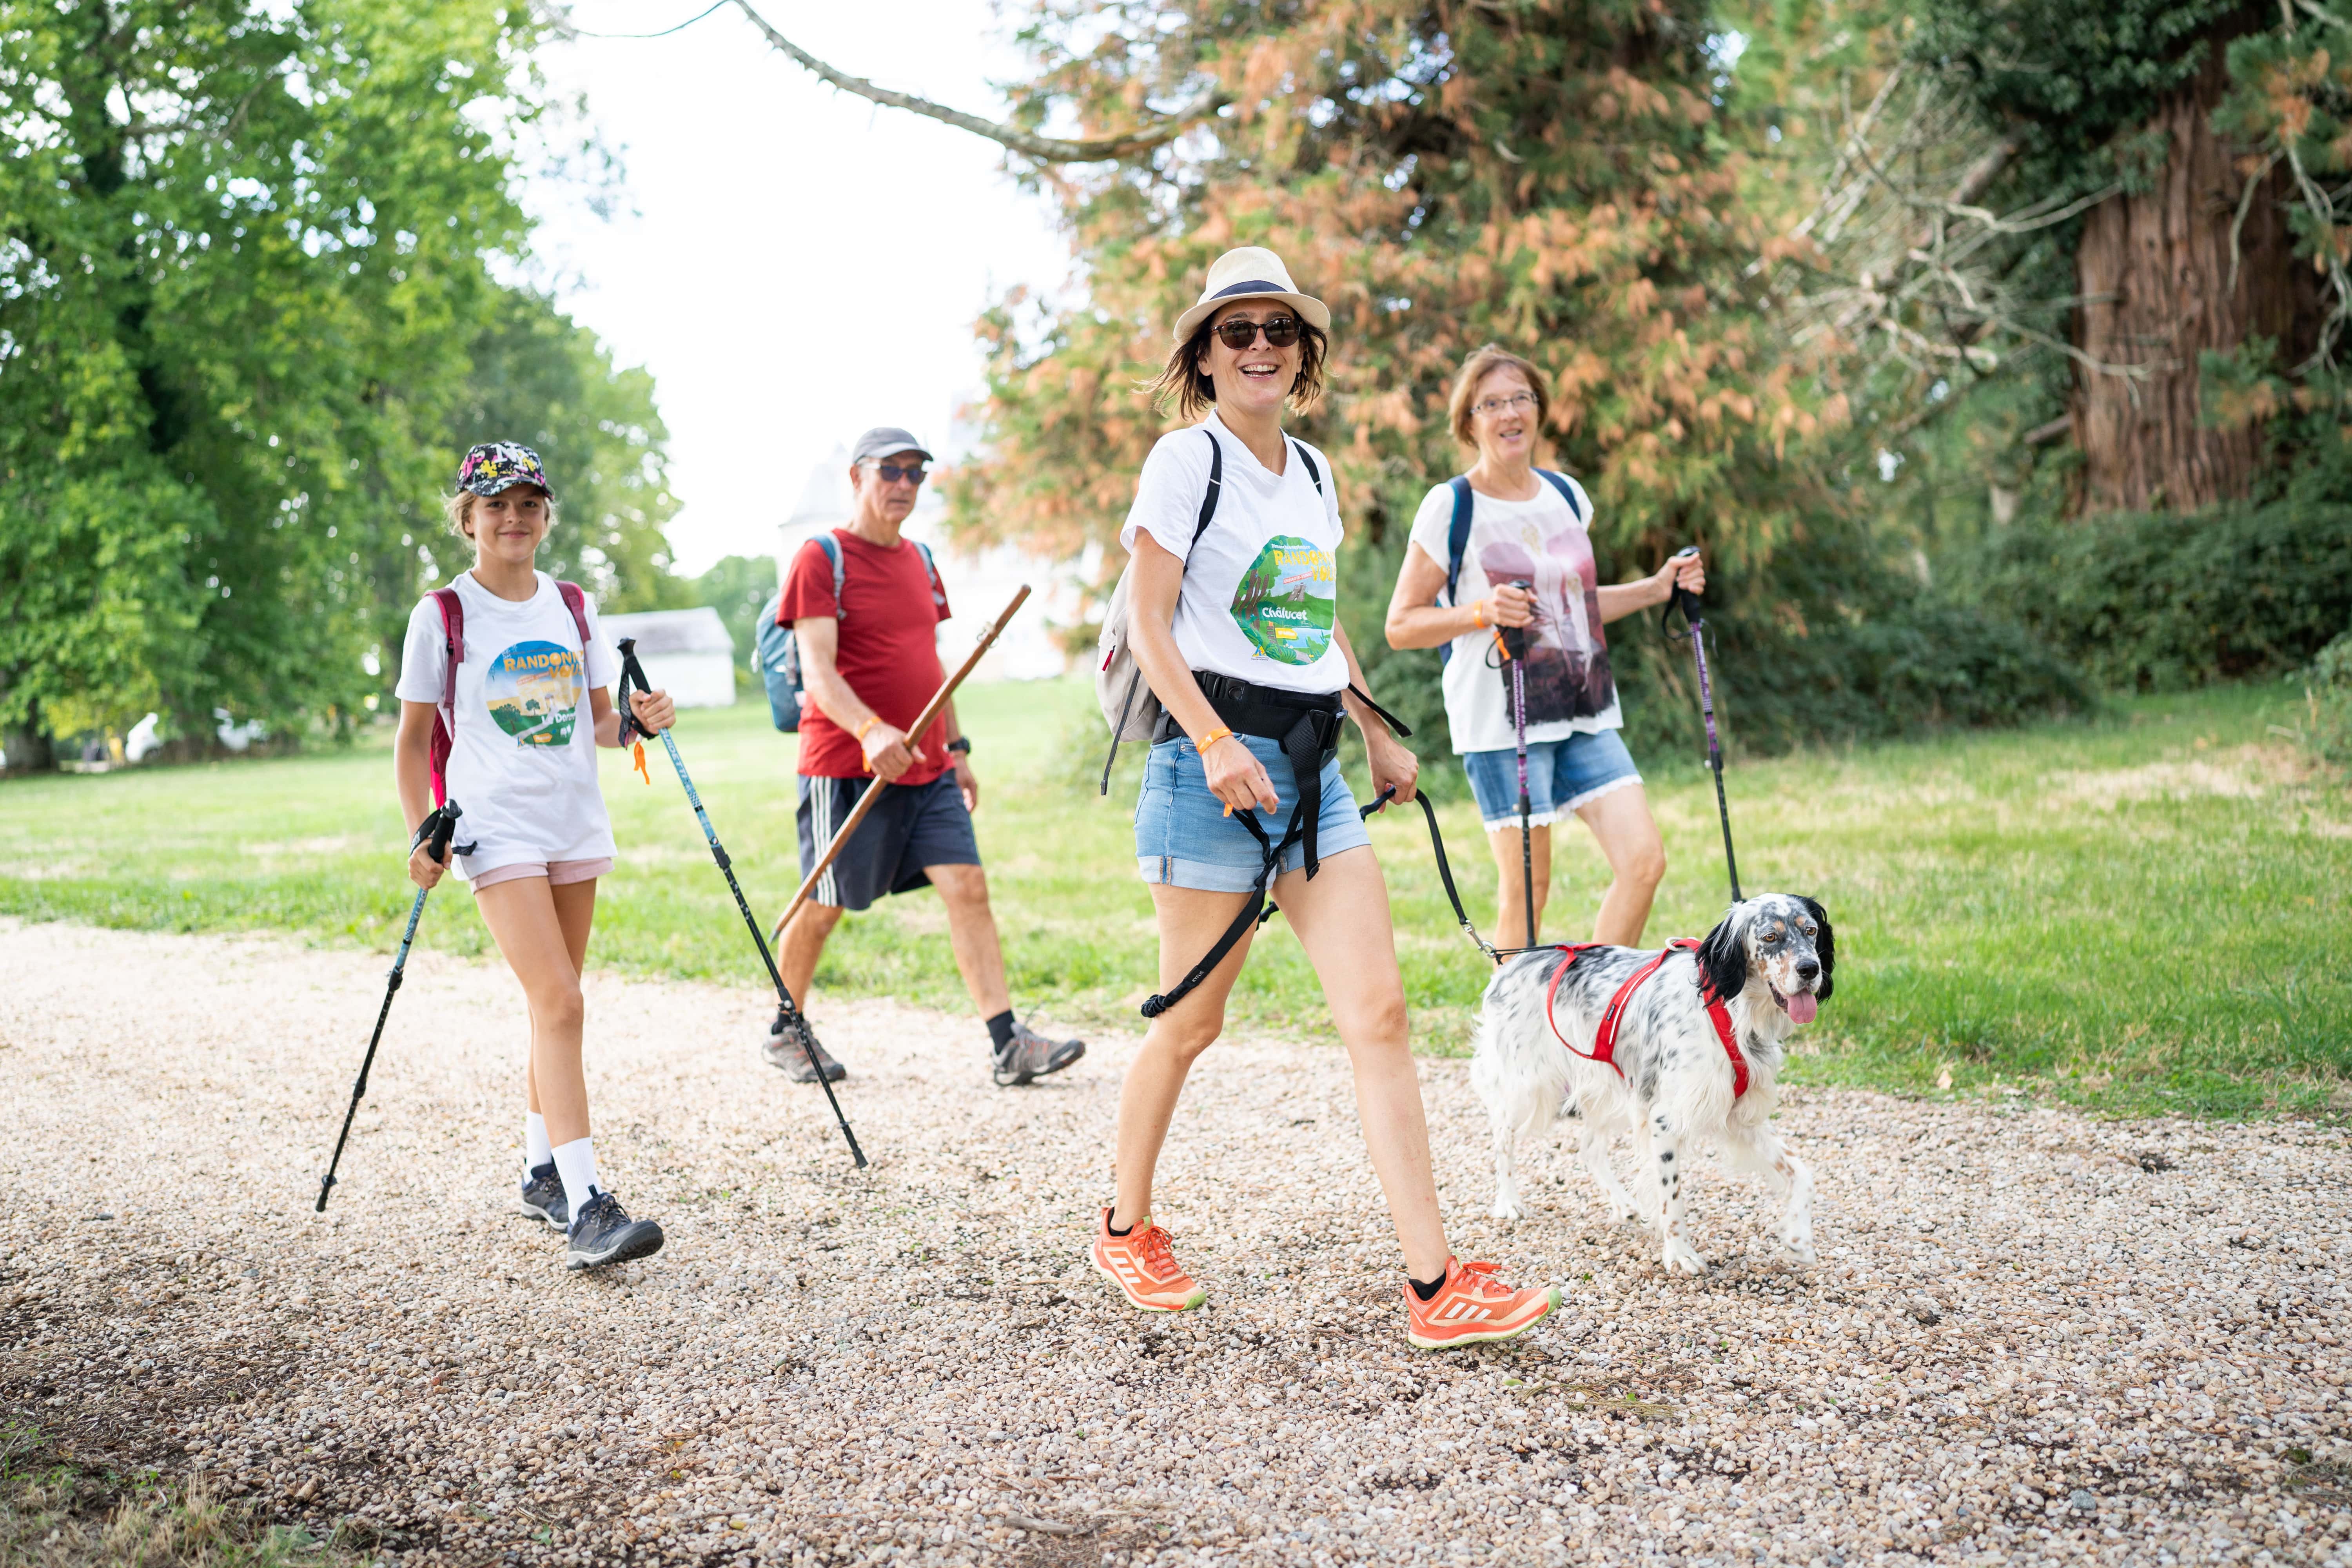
[(939, 591), (1457, 537), (1567, 492), (832, 548), (1312, 471)]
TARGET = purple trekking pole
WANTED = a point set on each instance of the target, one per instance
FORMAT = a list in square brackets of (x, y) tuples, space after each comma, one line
[(1514, 649), (1688, 602)]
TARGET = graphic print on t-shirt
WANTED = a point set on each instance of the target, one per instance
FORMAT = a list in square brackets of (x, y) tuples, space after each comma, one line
[(1567, 674), (1286, 601), (533, 692)]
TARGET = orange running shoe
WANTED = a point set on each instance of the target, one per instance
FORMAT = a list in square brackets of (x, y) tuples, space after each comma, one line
[(1141, 1265), (1472, 1308)]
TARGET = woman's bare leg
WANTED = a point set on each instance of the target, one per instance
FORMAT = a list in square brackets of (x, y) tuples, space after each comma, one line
[(1190, 921), (1511, 909), (1342, 920), (535, 926), (1628, 835)]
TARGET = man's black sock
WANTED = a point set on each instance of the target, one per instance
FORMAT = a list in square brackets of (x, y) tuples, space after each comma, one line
[(1426, 1292), (999, 1029), (1116, 1231)]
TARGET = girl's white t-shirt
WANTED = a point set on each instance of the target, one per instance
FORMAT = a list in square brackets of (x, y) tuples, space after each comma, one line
[(1570, 690), (1260, 599), (522, 756)]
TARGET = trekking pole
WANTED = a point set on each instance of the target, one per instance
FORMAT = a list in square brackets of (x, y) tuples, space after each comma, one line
[(633, 672), (866, 802), (1514, 649), (435, 833), (1687, 603)]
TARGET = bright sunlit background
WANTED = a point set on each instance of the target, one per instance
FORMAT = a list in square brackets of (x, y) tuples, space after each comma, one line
[(792, 263)]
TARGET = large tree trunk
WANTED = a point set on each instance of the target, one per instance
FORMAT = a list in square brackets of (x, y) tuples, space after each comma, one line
[(2153, 271)]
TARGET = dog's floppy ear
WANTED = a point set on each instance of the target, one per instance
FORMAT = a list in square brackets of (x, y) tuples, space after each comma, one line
[(1824, 944), (1723, 956)]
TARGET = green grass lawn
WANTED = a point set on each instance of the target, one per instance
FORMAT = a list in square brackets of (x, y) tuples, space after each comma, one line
[(2142, 913)]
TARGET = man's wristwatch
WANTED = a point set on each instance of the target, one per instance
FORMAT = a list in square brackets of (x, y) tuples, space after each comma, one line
[(961, 743)]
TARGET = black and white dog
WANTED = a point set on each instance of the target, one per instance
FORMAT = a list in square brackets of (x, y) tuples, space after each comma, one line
[(1672, 1081)]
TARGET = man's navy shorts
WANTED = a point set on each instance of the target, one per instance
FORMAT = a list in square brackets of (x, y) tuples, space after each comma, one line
[(909, 827)]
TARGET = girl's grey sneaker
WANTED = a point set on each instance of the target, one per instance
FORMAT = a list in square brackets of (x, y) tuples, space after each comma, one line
[(1029, 1055), (604, 1233), (543, 1196), (782, 1048)]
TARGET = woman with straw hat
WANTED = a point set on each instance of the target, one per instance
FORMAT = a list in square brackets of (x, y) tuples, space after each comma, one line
[(1235, 534)]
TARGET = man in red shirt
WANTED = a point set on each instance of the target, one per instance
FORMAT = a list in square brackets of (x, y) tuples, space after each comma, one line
[(869, 660)]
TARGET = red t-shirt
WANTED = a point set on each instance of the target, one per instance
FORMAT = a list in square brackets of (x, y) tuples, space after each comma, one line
[(889, 649)]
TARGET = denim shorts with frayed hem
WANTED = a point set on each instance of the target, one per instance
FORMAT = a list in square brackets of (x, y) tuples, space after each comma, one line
[(1184, 837), (1562, 775)]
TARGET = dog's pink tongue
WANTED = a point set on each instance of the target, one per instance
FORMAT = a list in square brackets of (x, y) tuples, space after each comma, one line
[(1802, 1006)]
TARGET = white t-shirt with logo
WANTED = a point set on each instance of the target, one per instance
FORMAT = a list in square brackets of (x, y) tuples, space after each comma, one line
[(522, 758), (1571, 688), (1260, 599)]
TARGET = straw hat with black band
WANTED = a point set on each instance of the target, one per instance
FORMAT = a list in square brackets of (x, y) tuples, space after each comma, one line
[(1251, 272)]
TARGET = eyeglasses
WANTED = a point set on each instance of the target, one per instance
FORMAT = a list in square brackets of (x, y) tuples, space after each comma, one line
[(1496, 405), (892, 474), (1281, 332)]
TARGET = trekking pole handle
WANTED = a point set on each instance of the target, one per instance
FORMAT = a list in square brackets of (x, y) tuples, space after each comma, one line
[(440, 825), (632, 673), (1684, 600), (1515, 638)]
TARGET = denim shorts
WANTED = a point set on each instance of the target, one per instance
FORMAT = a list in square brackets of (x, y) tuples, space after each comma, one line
[(1561, 776), (1184, 837)]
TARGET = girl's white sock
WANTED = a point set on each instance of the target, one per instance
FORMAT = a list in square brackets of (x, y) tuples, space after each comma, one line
[(536, 1150), (576, 1163)]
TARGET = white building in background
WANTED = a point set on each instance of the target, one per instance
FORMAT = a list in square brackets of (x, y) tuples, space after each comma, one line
[(978, 584), (687, 653)]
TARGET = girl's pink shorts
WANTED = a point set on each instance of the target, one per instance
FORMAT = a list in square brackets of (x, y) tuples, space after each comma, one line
[(557, 872)]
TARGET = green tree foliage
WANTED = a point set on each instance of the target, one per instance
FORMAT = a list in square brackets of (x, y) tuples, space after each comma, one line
[(737, 587), (244, 281)]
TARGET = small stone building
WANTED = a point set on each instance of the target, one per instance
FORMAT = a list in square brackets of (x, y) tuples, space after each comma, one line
[(687, 653)]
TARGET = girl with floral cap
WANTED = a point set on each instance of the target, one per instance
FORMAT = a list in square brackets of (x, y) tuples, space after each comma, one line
[(495, 675)]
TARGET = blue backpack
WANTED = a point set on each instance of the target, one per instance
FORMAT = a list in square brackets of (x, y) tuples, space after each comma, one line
[(1457, 538), (776, 652)]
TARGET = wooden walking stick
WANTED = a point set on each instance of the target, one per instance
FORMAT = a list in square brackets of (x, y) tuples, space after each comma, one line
[(921, 725)]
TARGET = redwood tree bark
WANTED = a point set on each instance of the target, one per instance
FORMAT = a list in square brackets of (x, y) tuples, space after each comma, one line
[(2153, 270)]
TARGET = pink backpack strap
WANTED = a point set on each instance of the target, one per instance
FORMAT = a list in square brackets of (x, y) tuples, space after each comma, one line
[(577, 603), (445, 718)]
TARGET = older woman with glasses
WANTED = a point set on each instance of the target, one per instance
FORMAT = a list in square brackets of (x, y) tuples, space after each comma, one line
[(1233, 621), (1500, 559)]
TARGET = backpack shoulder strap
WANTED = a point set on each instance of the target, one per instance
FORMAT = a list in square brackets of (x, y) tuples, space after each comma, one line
[(1216, 483), (577, 603), (453, 639), (1312, 471), (832, 548), (939, 589), (1567, 492), (1457, 537)]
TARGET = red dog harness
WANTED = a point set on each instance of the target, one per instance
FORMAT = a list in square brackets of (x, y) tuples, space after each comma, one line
[(1604, 1041)]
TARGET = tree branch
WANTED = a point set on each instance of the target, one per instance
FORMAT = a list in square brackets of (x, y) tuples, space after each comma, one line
[(1044, 149)]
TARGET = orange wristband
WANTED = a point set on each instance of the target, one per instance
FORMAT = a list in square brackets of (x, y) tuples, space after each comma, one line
[(871, 720), (1220, 733), (1478, 614)]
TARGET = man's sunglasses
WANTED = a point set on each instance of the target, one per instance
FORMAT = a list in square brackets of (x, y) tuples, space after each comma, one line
[(1280, 332), (892, 473)]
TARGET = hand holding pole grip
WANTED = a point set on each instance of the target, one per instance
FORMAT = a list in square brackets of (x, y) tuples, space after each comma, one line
[(633, 676), (1684, 600), (1515, 638)]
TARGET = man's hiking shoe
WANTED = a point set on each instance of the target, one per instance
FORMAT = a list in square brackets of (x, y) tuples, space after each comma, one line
[(606, 1234), (543, 1196), (1029, 1056), (782, 1048), (1144, 1268), (1472, 1308)]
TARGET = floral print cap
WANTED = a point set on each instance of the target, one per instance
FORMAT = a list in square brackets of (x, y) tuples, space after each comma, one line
[(493, 466)]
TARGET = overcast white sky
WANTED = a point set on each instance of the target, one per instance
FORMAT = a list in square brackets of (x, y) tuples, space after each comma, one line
[(792, 264)]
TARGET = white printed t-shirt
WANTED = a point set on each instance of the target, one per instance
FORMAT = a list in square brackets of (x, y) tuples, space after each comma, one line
[(1260, 599), (1571, 688), (522, 761)]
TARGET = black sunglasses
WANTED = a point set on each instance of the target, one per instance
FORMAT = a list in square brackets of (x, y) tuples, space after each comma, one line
[(892, 473), (1280, 332)]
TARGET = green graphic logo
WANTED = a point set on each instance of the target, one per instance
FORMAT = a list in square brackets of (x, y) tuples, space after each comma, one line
[(533, 692), (1286, 601)]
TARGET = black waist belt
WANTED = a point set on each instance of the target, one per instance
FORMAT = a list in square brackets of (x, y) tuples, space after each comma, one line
[(1308, 727)]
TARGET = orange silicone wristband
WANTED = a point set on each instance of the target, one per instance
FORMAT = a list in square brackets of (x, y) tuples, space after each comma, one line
[(1211, 738), (1478, 614), (871, 720)]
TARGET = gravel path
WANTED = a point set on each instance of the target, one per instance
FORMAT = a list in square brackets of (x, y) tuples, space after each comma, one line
[(2033, 1337)]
